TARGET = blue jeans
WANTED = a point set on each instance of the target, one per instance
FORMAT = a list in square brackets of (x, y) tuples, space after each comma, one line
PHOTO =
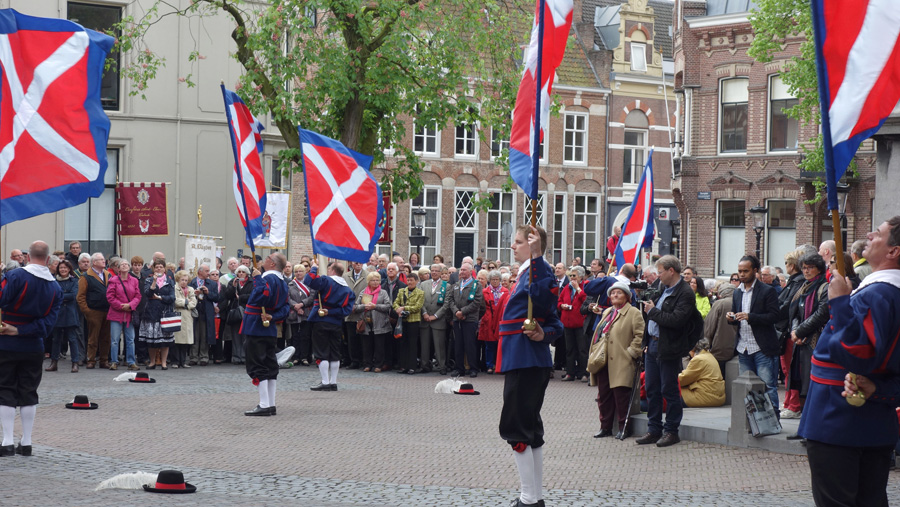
[(661, 382), (765, 367), (115, 331), (71, 335)]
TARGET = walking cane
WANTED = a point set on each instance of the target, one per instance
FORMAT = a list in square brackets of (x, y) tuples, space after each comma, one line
[(635, 389)]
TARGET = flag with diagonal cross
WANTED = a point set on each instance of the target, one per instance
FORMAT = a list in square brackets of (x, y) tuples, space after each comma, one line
[(53, 131), (343, 199)]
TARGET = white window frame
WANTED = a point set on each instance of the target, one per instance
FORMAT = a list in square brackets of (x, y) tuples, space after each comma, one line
[(476, 142), (771, 109), (75, 215), (502, 251), (436, 134), (639, 48), (779, 260), (576, 233), (474, 226), (504, 144), (719, 243), (542, 209), (643, 149), (121, 92), (721, 106), (433, 233), (575, 133), (559, 247)]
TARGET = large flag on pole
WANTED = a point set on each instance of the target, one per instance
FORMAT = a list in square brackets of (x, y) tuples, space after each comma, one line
[(637, 232), (343, 199), (53, 130), (248, 178), (552, 20), (858, 65)]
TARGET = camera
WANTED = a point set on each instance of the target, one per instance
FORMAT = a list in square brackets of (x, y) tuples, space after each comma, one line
[(643, 290), (404, 314)]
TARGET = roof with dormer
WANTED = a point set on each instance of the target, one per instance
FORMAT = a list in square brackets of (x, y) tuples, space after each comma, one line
[(604, 14)]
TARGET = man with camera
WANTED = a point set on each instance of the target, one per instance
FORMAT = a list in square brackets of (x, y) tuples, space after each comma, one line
[(671, 320)]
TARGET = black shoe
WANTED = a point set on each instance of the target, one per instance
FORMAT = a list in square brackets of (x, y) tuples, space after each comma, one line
[(623, 434), (273, 411), (649, 438), (455, 373), (442, 371), (8, 450), (518, 503), (473, 374), (259, 411), (323, 387), (603, 433), (668, 439), (332, 387), (353, 366), (24, 450), (793, 436)]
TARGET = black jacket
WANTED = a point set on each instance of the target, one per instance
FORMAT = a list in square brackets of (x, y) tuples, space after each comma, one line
[(763, 316), (679, 322)]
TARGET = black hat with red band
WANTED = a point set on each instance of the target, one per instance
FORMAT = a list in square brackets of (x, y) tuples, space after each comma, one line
[(81, 403), (142, 377), (170, 481)]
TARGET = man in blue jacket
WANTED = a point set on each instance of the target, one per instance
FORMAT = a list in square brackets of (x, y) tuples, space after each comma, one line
[(524, 356), (270, 293), (334, 303), (850, 447), (30, 299)]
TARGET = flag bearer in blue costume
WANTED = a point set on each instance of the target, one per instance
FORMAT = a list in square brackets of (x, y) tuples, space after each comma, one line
[(30, 300), (524, 357), (334, 302), (266, 309), (849, 447)]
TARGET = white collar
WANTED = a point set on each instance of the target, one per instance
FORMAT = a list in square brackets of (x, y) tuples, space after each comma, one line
[(273, 272), (39, 271), (891, 276), (339, 280)]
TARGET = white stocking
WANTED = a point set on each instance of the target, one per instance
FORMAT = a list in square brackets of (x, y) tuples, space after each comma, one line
[(333, 367), (537, 454), (263, 394), (27, 414), (323, 369), (7, 420), (271, 383), (525, 464)]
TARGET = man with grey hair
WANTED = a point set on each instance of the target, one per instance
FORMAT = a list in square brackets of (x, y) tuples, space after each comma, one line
[(464, 300), (232, 263), (433, 329), (94, 306), (860, 264), (827, 250), (767, 276), (18, 256), (205, 324)]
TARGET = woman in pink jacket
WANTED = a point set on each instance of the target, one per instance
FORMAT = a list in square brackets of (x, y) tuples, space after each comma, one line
[(123, 294)]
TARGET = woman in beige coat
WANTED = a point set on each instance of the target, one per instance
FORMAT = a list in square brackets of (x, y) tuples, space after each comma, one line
[(185, 301), (701, 382), (624, 326)]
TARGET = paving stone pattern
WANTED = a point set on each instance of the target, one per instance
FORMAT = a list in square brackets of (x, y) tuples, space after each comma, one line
[(382, 440)]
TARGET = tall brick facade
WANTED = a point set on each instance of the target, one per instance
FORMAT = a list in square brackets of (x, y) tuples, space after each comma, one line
[(714, 178)]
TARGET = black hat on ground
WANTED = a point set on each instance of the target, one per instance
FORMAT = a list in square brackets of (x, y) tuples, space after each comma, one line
[(142, 377), (466, 389), (170, 481), (81, 403)]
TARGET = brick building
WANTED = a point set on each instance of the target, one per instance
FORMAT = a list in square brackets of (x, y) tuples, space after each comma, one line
[(598, 74), (737, 149)]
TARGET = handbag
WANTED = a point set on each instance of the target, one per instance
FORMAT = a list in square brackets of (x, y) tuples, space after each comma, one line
[(361, 326), (597, 355), (761, 415), (170, 322), (235, 315), (398, 330)]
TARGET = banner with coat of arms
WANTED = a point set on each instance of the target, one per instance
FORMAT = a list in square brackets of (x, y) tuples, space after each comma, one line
[(275, 221), (141, 209), (199, 250)]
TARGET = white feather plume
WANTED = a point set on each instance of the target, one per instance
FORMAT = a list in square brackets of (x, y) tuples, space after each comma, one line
[(125, 377), (133, 480), (447, 386)]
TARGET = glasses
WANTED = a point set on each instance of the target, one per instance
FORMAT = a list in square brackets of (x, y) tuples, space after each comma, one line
[(213, 274), (735, 279), (572, 276)]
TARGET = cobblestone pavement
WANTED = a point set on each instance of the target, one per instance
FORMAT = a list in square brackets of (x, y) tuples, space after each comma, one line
[(383, 439)]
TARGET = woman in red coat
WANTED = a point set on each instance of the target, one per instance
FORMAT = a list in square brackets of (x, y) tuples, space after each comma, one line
[(495, 297), (569, 306)]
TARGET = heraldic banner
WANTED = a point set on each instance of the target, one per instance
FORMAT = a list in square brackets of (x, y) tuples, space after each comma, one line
[(199, 250), (141, 209), (275, 221)]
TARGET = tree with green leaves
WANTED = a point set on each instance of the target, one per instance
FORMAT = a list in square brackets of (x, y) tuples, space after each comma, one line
[(773, 22), (353, 69)]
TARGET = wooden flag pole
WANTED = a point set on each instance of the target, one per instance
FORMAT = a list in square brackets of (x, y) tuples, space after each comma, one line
[(529, 323), (322, 262), (262, 308), (856, 399)]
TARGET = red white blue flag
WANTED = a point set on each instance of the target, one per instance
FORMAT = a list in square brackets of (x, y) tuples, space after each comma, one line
[(531, 116), (637, 232), (249, 181), (343, 199), (53, 130), (858, 65)]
